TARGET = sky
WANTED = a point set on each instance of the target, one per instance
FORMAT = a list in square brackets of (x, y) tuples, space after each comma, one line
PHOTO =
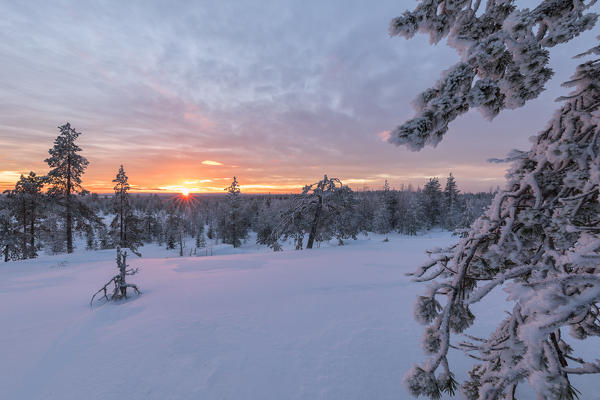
[(187, 94)]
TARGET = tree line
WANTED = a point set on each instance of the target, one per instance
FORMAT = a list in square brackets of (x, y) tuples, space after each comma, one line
[(32, 219)]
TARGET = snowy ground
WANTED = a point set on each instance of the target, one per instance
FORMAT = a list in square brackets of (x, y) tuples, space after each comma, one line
[(328, 323)]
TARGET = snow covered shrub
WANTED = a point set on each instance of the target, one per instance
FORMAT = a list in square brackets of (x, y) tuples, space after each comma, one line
[(540, 238)]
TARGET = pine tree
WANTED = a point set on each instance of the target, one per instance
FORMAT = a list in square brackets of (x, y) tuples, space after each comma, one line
[(233, 225), (342, 217), (104, 238), (121, 204), (315, 202), (383, 220), (540, 238), (9, 244), (26, 203), (125, 227), (452, 210), (324, 209), (67, 166), (53, 234), (542, 234), (90, 239), (412, 219), (366, 213), (431, 202), (200, 240)]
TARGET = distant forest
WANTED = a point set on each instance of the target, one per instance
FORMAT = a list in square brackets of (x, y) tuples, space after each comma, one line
[(32, 221)]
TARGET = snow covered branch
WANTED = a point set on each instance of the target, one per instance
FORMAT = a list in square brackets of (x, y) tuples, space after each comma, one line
[(540, 242), (504, 58)]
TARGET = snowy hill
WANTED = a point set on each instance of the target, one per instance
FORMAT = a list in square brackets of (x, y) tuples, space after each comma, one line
[(328, 323)]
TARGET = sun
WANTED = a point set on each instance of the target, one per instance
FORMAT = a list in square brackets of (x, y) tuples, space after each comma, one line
[(185, 192)]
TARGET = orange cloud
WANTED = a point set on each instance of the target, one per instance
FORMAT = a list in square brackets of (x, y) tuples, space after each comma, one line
[(210, 162), (384, 135)]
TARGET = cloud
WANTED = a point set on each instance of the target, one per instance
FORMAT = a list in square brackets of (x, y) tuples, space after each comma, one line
[(384, 135), (287, 88), (209, 162)]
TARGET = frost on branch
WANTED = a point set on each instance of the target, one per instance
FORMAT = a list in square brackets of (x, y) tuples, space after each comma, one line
[(118, 281), (504, 57), (540, 242)]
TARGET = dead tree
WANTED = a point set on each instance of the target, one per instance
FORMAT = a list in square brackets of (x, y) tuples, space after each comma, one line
[(119, 282)]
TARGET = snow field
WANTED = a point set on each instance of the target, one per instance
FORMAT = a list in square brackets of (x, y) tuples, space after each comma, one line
[(331, 323)]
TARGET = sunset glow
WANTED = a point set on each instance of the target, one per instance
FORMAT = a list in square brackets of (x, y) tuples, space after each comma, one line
[(318, 100)]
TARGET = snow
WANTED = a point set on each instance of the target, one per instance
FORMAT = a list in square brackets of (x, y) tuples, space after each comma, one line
[(328, 323)]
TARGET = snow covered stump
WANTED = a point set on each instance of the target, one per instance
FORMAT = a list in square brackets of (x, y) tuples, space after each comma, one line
[(120, 284)]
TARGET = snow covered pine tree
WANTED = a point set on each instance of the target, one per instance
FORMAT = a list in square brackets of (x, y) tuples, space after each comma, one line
[(25, 202), (65, 176), (122, 207), (540, 239), (325, 208), (124, 226), (452, 207), (383, 220), (233, 224), (431, 203)]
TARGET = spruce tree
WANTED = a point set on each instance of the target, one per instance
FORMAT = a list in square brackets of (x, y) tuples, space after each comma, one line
[(431, 202), (233, 225), (383, 220), (66, 168), (452, 205), (413, 219)]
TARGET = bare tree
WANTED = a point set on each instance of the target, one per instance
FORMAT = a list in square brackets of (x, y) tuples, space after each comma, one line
[(118, 281)]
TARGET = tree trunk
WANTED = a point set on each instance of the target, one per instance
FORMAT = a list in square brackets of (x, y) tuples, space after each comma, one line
[(69, 220), (180, 244), (121, 238), (69, 217), (234, 238), (24, 239), (32, 233), (315, 224)]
